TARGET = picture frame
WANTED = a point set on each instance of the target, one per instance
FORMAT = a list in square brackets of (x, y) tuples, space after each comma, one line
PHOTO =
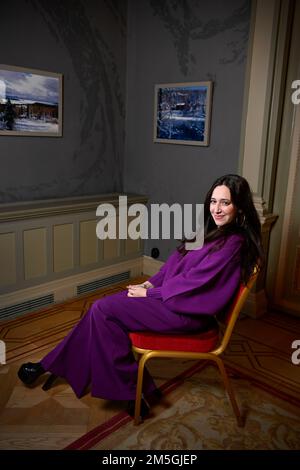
[(30, 102), (182, 113)]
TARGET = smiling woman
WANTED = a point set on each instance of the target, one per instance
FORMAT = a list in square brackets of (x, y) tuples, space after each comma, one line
[(30, 102), (221, 207)]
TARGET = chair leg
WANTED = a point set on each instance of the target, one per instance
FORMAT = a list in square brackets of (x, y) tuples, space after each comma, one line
[(139, 388), (229, 389)]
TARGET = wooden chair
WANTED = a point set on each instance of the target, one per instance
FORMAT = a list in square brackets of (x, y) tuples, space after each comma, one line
[(208, 345)]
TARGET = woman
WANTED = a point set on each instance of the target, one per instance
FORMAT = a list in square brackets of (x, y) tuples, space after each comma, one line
[(185, 295)]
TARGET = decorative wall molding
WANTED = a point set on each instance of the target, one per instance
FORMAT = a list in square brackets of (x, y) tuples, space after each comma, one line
[(45, 242), (286, 292), (265, 85), (68, 205)]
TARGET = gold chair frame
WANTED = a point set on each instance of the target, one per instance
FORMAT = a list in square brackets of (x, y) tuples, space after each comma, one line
[(143, 355)]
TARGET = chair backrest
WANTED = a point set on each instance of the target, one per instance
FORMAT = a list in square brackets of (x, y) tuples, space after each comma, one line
[(231, 315)]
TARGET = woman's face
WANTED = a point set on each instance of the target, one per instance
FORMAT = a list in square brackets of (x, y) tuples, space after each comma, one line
[(221, 207)]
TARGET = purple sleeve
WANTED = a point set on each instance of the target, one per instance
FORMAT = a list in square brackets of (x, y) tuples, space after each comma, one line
[(208, 287), (154, 292), (158, 278)]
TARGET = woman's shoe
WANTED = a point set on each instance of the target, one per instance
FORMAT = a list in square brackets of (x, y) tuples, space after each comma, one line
[(30, 371), (145, 409)]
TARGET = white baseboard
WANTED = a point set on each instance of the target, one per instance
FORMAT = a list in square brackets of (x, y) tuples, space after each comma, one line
[(66, 288)]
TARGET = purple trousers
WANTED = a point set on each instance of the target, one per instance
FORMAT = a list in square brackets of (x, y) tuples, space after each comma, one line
[(97, 352)]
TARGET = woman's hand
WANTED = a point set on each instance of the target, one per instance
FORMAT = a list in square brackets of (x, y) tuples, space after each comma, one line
[(146, 285), (137, 291)]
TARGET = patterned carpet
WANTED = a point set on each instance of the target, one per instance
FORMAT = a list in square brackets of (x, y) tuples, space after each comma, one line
[(200, 417), (259, 356)]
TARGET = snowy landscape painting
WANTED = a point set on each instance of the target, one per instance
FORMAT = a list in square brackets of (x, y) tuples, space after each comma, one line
[(182, 113), (30, 102)]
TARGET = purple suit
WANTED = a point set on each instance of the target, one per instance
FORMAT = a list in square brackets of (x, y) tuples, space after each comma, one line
[(188, 291)]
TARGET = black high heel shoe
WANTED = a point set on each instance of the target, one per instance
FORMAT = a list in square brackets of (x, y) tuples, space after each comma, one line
[(30, 372)]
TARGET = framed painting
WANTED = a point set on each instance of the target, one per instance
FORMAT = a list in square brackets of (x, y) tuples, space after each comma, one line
[(182, 113), (30, 102)]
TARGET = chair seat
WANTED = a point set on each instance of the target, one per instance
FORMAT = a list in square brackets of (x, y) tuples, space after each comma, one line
[(191, 342)]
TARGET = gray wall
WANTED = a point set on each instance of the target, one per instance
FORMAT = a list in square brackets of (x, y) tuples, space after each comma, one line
[(98, 45), (86, 42), (180, 41)]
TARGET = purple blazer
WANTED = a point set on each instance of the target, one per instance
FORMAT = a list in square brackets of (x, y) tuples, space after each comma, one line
[(201, 282)]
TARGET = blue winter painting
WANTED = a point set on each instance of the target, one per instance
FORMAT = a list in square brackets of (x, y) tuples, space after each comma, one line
[(182, 113), (30, 102)]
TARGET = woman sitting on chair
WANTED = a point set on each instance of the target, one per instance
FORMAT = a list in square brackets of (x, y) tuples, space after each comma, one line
[(184, 296)]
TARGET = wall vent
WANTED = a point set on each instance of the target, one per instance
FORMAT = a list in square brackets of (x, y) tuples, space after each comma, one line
[(16, 310), (97, 284)]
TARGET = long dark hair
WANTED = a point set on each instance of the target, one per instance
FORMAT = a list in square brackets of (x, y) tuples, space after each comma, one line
[(246, 222)]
